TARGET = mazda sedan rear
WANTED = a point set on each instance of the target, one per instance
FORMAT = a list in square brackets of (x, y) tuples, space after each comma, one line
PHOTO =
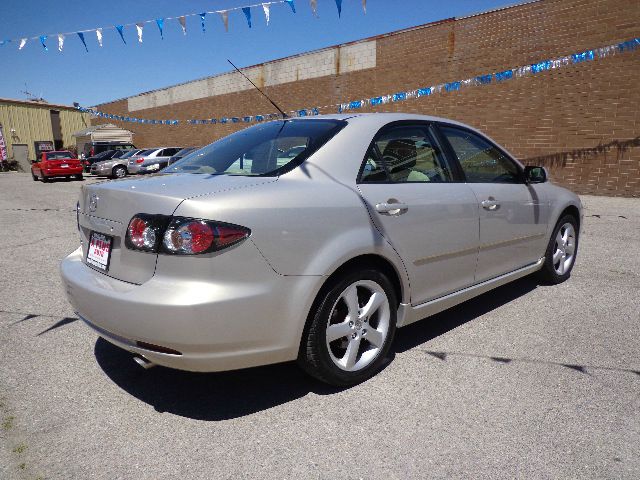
[(312, 240)]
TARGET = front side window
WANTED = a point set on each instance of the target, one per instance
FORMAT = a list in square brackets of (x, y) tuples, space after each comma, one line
[(405, 154), (266, 149), (481, 161)]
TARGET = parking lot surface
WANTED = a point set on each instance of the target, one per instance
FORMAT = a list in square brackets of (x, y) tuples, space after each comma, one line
[(526, 381)]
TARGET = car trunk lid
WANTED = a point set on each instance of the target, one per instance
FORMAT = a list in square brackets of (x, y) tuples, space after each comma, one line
[(106, 208)]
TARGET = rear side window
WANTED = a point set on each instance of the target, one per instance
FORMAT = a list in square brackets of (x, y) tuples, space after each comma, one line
[(481, 161), (405, 154), (266, 149)]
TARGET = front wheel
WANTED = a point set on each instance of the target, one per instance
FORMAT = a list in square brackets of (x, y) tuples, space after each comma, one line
[(561, 251), (351, 329)]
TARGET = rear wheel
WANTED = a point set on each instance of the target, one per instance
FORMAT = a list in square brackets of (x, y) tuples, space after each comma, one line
[(44, 178), (34, 176), (119, 172), (79, 176), (351, 329), (561, 251)]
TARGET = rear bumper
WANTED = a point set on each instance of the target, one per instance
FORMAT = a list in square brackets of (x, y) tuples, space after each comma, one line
[(62, 172), (254, 317)]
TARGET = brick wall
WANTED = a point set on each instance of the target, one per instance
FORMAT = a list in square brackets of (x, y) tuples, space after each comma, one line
[(582, 122)]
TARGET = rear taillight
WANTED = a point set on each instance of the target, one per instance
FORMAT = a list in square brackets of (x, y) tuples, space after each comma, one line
[(181, 236), (139, 160), (145, 232)]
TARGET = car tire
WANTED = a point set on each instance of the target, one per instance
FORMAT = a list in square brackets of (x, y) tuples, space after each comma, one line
[(79, 177), (341, 351), (119, 172), (34, 176), (44, 178), (560, 256)]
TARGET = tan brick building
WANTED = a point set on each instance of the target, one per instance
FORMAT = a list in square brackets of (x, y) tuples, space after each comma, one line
[(582, 122)]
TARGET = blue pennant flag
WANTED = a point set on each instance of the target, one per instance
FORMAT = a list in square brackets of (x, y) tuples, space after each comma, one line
[(2, 42), (247, 13), (424, 92), (502, 76), (160, 22), (202, 15), (339, 5), (355, 104), (452, 86), (292, 5), (43, 38), (399, 97), (81, 35), (120, 28)]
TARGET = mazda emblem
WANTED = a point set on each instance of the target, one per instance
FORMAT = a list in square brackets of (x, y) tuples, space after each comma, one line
[(93, 202)]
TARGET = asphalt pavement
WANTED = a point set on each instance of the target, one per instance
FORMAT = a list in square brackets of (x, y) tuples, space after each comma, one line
[(526, 381)]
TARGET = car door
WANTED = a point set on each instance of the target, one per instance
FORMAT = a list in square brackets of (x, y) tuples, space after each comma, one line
[(513, 215), (37, 165), (417, 204)]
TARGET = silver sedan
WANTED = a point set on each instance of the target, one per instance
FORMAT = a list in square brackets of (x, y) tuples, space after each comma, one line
[(242, 254)]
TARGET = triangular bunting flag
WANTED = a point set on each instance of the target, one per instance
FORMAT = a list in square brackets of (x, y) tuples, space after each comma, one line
[(202, 15), (81, 35), (23, 42), (364, 6), (292, 5), (139, 27), (265, 7), (247, 13), (314, 7), (99, 36), (120, 29), (160, 22), (225, 19), (339, 5), (60, 42), (183, 23), (43, 39)]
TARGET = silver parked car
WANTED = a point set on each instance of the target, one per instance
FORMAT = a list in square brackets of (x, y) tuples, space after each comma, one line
[(235, 257), (115, 167), (151, 160)]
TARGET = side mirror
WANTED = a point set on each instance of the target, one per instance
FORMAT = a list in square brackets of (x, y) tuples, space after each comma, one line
[(535, 174)]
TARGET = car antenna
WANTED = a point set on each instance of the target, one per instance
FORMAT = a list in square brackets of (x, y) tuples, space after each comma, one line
[(284, 115)]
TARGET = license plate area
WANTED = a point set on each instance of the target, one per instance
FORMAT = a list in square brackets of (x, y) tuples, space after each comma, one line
[(99, 251)]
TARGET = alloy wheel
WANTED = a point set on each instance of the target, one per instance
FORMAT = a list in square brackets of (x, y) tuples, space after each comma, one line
[(564, 249), (358, 325)]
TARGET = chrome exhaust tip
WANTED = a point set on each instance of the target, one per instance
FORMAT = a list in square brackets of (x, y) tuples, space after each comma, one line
[(143, 362)]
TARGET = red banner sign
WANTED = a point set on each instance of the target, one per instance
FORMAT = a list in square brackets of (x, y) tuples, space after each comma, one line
[(3, 147)]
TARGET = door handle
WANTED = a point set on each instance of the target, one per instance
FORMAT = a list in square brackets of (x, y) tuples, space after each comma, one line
[(392, 208), (490, 204)]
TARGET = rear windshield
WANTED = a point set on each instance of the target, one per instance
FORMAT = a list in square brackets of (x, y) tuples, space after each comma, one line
[(59, 156), (130, 153), (266, 149), (146, 152)]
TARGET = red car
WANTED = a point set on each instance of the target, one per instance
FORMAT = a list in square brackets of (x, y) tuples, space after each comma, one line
[(56, 164)]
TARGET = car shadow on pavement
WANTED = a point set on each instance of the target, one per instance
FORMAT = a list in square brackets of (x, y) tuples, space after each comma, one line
[(421, 332), (227, 395), (207, 396)]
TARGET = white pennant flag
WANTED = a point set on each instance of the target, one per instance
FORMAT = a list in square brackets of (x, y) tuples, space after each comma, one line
[(139, 27), (314, 7), (99, 35), (23, 42), (225, 20), (364, 6), (60, 42), (183, 23), (265, 7)]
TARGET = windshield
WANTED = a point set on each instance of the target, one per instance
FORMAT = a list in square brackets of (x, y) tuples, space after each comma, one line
[(266, 149)]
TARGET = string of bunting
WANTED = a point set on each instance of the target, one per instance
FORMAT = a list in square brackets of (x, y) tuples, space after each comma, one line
[(160, 23), (480, 80)]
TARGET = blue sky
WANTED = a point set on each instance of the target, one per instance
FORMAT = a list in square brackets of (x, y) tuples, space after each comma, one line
[(119, 70)]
